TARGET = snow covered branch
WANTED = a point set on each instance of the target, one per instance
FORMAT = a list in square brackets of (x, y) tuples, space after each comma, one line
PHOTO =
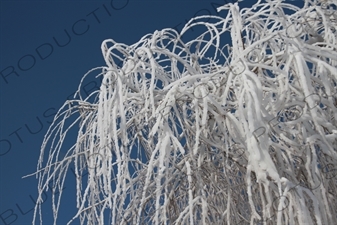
[(211, 130)]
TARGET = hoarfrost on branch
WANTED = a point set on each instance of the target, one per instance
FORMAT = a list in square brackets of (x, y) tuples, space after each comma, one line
[(207, 132)]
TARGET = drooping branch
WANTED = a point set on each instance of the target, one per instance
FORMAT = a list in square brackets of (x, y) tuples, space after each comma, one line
[(207, 132)]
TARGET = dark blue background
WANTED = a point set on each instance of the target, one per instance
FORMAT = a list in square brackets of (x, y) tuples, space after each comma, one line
[(33, 86)]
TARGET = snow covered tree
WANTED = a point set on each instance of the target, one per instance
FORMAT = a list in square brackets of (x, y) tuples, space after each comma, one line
[(236, 126)]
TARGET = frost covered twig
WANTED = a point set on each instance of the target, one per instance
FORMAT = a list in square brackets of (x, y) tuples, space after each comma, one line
[(204, 132)]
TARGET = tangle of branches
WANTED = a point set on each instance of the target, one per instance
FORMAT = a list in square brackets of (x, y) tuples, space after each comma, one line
[(236, 129)]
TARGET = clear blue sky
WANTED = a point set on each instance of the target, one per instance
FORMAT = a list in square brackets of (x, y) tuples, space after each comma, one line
[(40, 67)]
